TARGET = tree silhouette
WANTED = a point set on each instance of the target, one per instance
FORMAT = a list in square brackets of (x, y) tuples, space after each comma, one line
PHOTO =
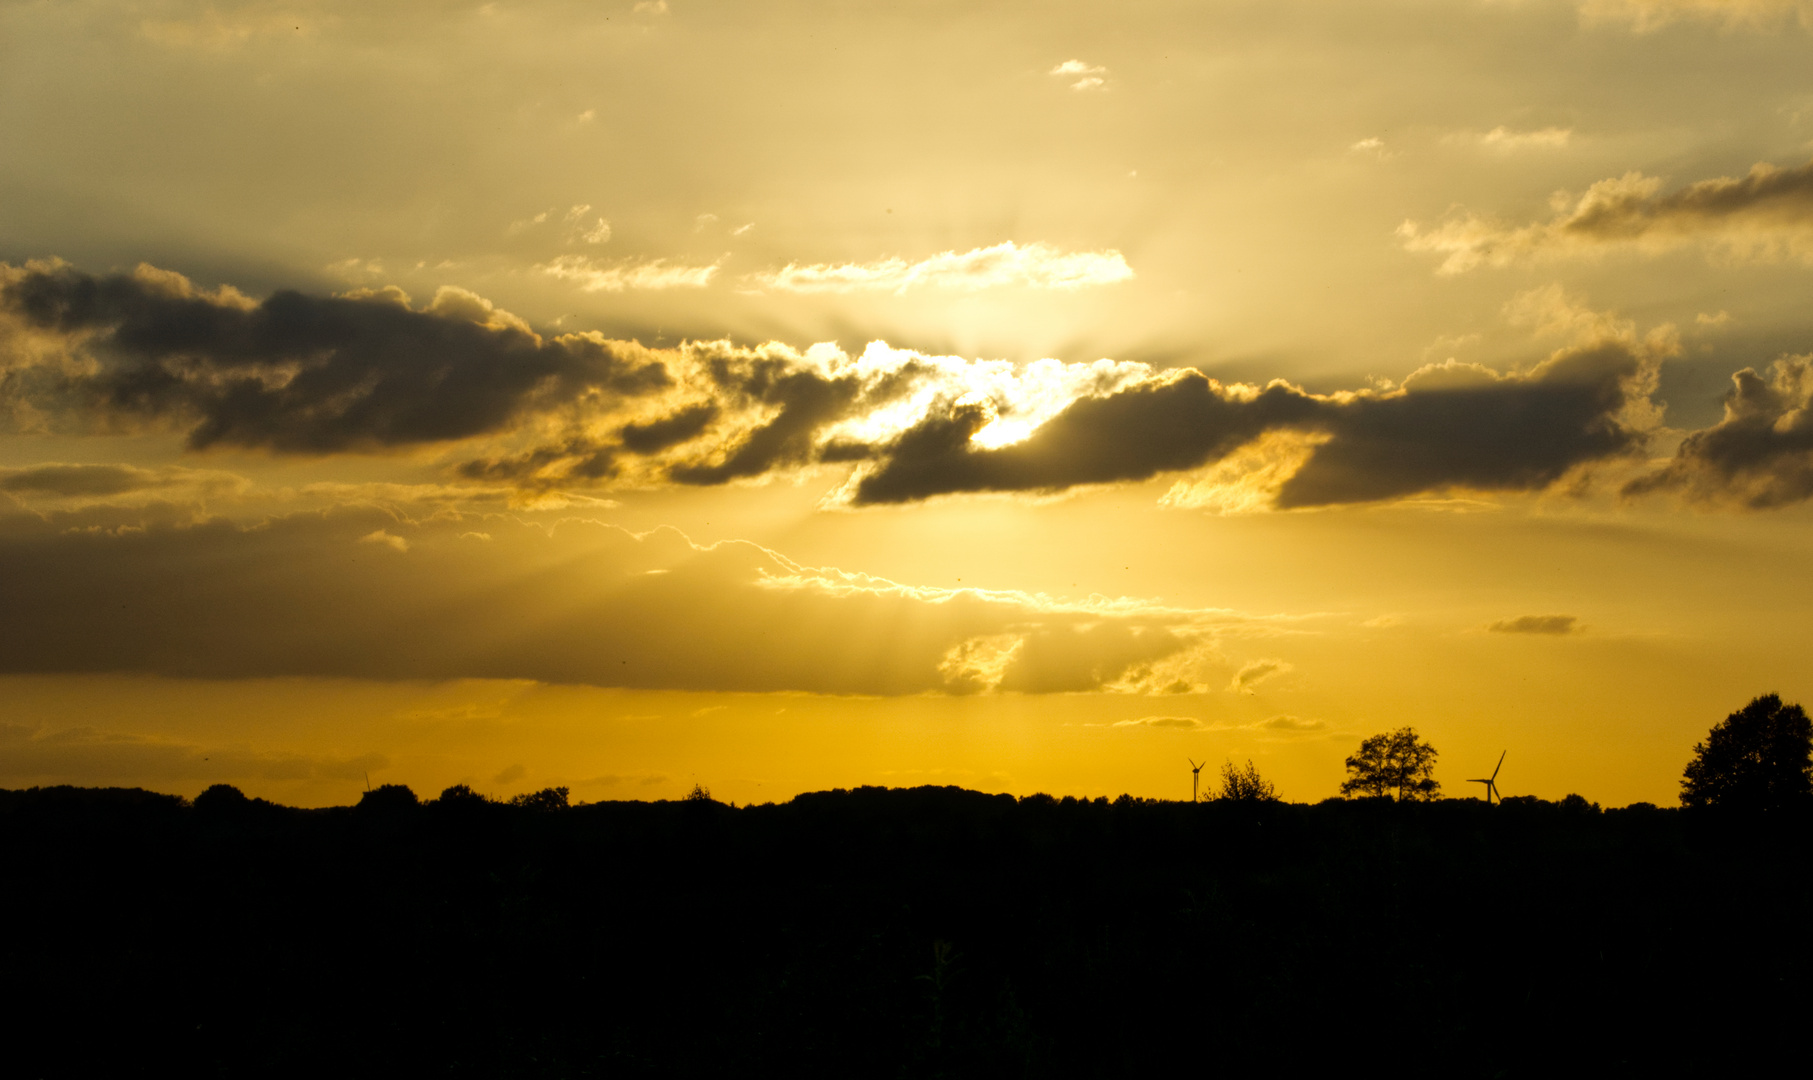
[(1758, 758), (1245, 785), (1396, 763), (551, 798)]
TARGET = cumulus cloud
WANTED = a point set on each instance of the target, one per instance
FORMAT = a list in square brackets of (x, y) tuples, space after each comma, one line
[(1763, 215), (1035, 266), (642, 274), (1760, 453), (302, 594), (1536, 624), (291, 372)]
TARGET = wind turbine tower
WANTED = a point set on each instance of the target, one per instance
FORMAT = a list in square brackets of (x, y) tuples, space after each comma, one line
[(1195, 777), (1491, 781)]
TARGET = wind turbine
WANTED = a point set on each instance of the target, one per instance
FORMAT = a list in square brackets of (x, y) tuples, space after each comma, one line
[(1195, 776), (1491, 785)]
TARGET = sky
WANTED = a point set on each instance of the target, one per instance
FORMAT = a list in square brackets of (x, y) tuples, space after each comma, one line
[(778, 396)]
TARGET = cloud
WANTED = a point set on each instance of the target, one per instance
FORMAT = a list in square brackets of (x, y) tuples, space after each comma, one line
[(1254, 673), (291, 372), (1504, 140), (549, 417), (90, 481), (1448, 426), (598, 232), (644, 274), (299, 594), (1185, 722), (1082, 76), (1536, 624), (91, 756), (387, 539), (1645, 16), (1033, 266), (1760, 453), (1290, 725), (1764, 215)]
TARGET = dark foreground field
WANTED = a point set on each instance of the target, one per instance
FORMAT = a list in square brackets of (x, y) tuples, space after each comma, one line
[(930, 932)]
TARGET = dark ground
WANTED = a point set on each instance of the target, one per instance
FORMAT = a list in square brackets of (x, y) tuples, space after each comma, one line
[(924, 932)]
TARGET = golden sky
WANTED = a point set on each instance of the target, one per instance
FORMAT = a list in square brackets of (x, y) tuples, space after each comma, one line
[(789, 395)]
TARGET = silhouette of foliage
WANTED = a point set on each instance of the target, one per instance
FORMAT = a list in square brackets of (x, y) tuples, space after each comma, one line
[(551, 798), (221, 798), (1397, 764), (461, 794), (699, 793), (388, 798), (1579, 804), (1245, 785), (1759, 758)]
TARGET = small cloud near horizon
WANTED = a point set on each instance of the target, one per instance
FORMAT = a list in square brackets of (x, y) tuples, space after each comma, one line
[(1536, 624)]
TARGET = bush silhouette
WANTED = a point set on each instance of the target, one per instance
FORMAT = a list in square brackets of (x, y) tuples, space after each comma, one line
[(1245, 785), (552, 798), (389, 798), (221, 798), (1397, 763), (1759, 758), (462, 794)]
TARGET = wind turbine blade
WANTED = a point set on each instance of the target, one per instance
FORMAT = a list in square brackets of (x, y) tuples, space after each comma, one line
[(1501, 763)]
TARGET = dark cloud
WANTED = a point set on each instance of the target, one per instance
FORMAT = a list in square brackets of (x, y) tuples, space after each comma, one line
[(330, 594), (98, 480), (1536, 624), (1760, 455), (301, 373), (806, 401), (98, 756), (1449, 429), (1137, 433), (1520, 433), (657, 435)]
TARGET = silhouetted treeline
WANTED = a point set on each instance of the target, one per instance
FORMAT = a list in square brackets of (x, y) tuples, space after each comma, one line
[(924, 932)]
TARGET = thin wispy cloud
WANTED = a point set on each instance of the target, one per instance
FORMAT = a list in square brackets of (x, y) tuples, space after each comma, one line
[(1034, 266), (1536, 624), (643, 274), (1505, 140), (1646, 16)]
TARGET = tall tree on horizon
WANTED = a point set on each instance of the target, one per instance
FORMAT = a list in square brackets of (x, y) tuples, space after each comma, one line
[(1397, 763), (1758, 758)]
